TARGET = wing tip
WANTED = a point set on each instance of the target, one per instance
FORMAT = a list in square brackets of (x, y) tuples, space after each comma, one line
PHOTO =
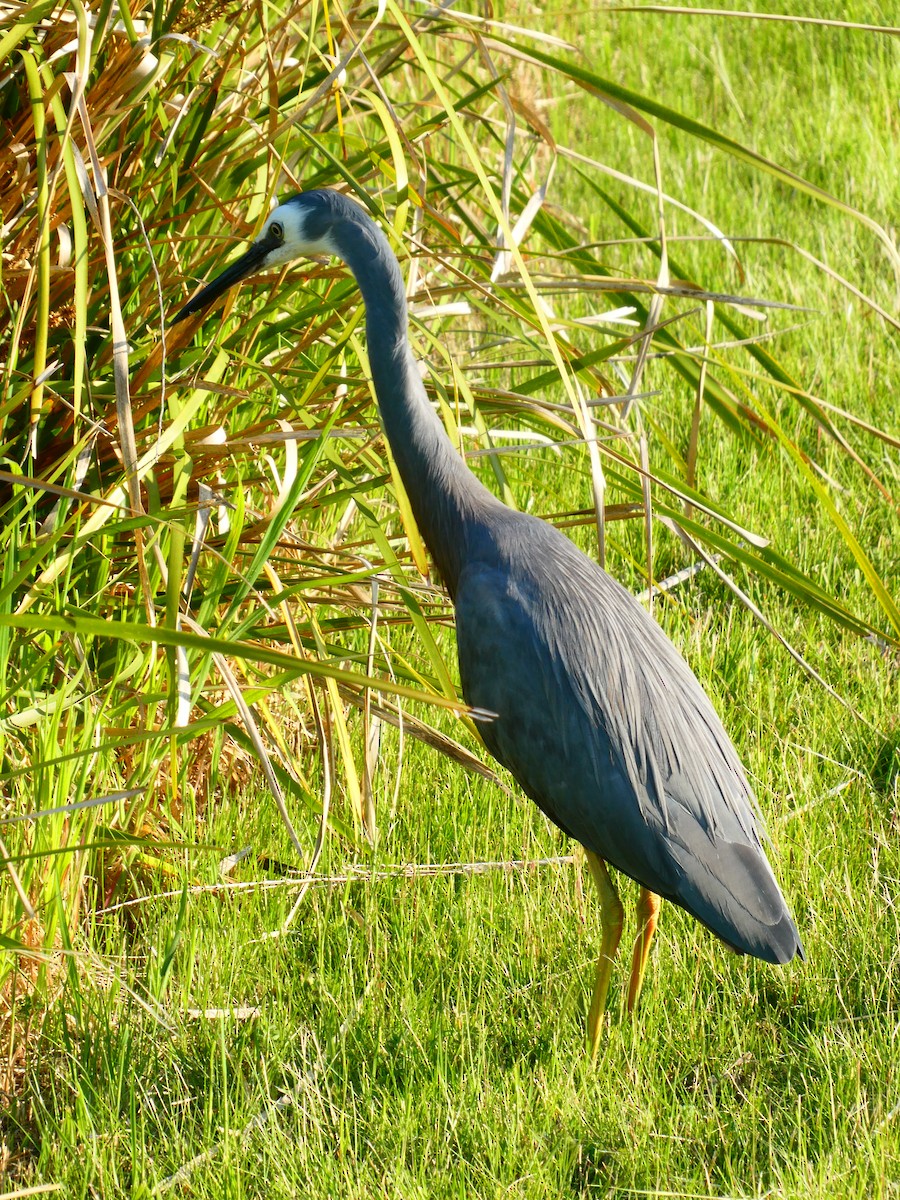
[(784, 944)]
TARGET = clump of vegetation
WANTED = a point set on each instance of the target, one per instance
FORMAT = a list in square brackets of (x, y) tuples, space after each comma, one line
[(211, 588)]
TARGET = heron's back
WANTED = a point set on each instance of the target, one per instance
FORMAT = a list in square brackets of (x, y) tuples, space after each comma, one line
[(606, 728)]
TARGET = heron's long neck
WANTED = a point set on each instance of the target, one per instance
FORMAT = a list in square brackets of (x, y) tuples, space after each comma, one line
[(447, 500)]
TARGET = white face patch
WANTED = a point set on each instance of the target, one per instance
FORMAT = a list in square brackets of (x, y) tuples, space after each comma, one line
[(295, 242)]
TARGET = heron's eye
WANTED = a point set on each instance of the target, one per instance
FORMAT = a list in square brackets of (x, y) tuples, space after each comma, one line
[(276, 231)]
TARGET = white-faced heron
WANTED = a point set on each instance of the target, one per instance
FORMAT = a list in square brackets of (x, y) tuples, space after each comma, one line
[(598, 716)]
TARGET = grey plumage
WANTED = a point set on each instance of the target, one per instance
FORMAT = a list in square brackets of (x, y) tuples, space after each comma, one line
[(598, 716), (612, 736)]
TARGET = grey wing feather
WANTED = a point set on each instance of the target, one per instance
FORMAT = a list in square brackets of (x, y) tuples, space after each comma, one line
[(605, 726)]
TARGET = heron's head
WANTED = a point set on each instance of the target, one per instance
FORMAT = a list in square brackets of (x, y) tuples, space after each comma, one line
[(299, 228)]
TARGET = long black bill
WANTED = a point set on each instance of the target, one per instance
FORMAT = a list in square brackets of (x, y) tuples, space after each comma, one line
[(239, 269)]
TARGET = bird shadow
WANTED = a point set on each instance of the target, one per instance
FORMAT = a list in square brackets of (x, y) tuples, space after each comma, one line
[(885, 769)]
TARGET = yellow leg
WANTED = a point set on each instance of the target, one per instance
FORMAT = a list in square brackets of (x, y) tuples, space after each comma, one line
[(611, 915), (648, 915)]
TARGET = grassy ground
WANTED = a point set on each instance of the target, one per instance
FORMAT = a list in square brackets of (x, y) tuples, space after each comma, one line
[(429, 1030)]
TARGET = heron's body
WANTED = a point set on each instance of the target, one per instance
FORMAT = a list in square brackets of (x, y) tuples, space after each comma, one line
[(599, 718)]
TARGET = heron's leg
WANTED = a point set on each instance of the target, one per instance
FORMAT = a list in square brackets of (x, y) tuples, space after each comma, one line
[(611, 915), (648, 915)]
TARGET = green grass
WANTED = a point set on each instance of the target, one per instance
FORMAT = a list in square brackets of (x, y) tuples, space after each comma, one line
[(429, 1029)]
